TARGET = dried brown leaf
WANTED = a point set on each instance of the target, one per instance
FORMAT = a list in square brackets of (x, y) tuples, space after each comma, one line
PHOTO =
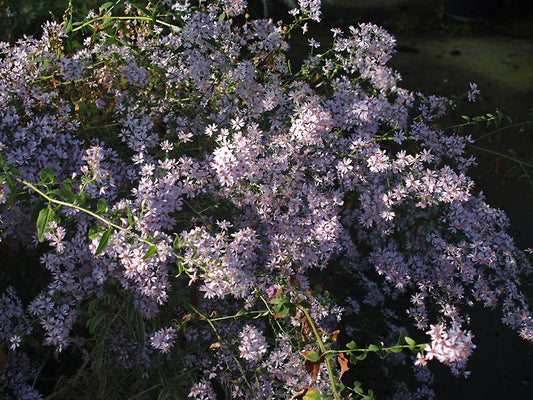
[(344, 364), (306, 328), (312, 368)]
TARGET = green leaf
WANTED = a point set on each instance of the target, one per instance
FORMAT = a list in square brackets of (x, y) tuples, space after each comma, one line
[(68, 26), (260, 314), (82, 199), (10, 181), (95, 231), (395, 349), (304, 304), (142, 9), (130, 218), (130, 312), (97, 361), (281, 311), (374, 347), (67, 184), (101, 206), (35, 212), (358, 387), (149, 253), (164, 394), (140, 329), (312, 356), (176, 242), (46, 215), (401, 339), (106, 6), (104, 241), (95, 322), (351, 345), (64, 194), (279, 299), (181, 268), (313, 394), (14, 171), (410, 341), (107, 23), (162, 376), (292, 310), (47, 175), (100, 345)]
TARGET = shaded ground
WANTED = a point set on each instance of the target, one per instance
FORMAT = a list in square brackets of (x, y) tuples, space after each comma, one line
[(438, 55)]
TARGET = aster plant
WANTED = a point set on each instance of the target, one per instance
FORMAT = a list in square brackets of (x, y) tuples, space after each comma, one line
[(201, 221)]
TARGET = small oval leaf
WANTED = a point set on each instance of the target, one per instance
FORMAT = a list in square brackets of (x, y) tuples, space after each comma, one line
[(64, 194), (101, 206), (149, 253), (312, 356), (47, 175), (46, 215), (104, 241)]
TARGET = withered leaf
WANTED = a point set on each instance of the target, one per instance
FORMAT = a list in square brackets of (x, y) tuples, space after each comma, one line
[(344, 364), (311, 355), (312, 368), (306, 394), (306, 328)]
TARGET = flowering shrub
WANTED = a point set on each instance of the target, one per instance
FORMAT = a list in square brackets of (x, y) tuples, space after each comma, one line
[(204, 222)]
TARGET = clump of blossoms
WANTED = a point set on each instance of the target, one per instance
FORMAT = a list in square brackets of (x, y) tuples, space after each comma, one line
[(184, 194)]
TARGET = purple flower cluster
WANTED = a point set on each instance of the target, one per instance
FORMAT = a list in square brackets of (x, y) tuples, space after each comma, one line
[(451, 347), (163, 339), (229, 180), (253, 345)]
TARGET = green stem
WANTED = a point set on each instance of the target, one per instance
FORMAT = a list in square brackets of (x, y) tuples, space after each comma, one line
[(84, 210), (513, 159), (235, 316), (502, 129), (158, 21), (323, 351), (220, 339), (385, 349)]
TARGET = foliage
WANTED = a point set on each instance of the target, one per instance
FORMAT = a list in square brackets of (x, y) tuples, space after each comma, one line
[(208, 223)]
